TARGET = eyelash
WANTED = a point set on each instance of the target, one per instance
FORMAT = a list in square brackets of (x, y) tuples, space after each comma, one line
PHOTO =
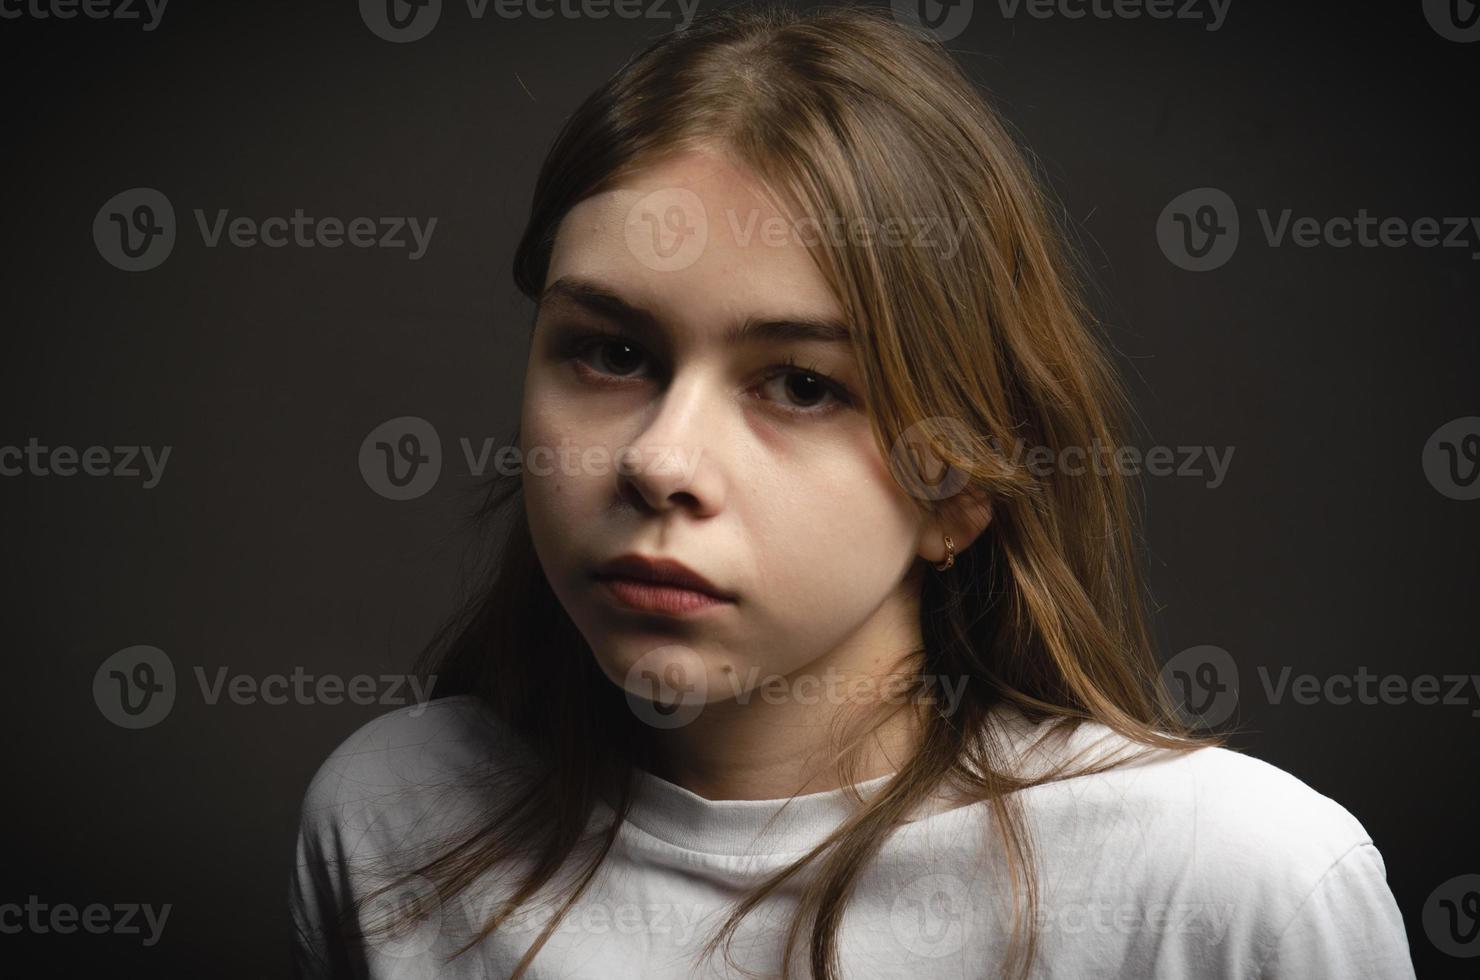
[(579, 345)]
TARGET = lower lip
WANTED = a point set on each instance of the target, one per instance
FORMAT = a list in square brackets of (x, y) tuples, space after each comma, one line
[(668, 599)]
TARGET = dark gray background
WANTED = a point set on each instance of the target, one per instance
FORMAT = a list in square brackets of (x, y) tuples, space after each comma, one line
[(263, 548)]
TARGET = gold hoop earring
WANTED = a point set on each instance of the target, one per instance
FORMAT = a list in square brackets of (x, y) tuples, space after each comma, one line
[(950, 555)]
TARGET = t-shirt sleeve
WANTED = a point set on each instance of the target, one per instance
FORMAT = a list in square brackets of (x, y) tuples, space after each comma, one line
[(316, 897), (1348, 927), (382, 801)]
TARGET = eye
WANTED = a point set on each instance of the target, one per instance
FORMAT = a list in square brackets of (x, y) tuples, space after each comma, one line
[(606, 355), (805, 390), (609, 358)]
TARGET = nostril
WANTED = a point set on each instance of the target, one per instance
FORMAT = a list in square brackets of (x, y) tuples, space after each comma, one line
[(631, 493), (633, 496)]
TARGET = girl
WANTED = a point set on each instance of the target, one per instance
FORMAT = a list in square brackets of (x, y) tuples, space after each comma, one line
[(800, 654)]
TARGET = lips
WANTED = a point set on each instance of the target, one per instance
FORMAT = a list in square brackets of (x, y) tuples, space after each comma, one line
[(661, 571)]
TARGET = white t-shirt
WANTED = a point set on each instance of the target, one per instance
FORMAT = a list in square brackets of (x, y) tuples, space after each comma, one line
[(1209, 864)]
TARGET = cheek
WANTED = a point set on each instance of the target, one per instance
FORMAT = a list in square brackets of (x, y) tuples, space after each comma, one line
[(844, 542), (833, 547), (558, 493)]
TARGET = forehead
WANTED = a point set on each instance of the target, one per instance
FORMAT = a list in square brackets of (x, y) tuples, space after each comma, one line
[(696, 239)]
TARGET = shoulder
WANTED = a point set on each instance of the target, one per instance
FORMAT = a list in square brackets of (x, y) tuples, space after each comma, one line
[(1205, 862), (402, 766), (1241, 801), (1301, 884), (1265, 874), (1219, 808), (389, 798), (1254, 813)]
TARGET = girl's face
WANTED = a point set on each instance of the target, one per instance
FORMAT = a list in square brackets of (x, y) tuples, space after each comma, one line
[(763, 478)]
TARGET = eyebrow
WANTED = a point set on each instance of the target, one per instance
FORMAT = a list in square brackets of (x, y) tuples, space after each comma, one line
[(599, 299)]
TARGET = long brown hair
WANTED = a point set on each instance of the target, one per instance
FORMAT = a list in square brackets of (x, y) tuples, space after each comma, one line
[(843, 112)]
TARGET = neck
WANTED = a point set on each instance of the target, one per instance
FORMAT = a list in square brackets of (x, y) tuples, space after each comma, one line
[(778, 740)]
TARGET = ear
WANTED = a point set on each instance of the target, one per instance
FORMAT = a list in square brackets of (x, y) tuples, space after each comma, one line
[(964, 517)]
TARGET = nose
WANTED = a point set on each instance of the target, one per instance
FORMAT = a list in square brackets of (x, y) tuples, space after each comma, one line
[(671, 463)]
